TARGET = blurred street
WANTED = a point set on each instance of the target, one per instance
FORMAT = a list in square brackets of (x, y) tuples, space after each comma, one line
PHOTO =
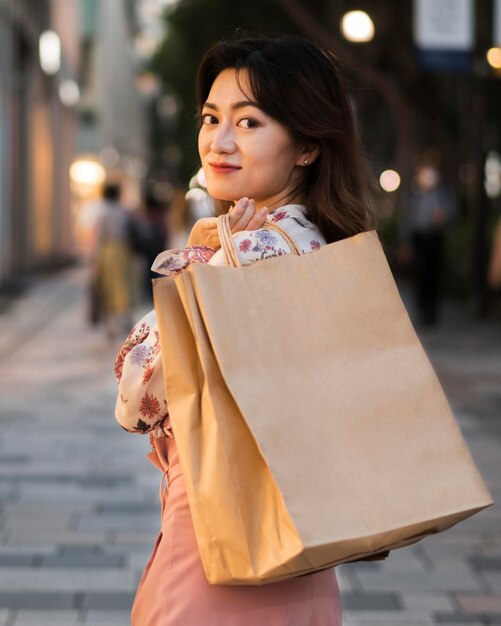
[(79, 502)]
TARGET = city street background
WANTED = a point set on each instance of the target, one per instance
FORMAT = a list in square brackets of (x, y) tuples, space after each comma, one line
[(97, 108), (79, 500)]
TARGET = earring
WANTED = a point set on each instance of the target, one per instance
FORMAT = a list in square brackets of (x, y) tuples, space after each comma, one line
[(307, 160)]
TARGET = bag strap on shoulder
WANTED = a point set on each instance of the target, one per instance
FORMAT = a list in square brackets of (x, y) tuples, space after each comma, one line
[(228, 245)]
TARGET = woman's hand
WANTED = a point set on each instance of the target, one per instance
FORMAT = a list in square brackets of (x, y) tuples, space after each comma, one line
[(243, 216)]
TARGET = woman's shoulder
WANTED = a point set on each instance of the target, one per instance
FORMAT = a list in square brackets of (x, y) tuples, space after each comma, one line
[(293, 219), (263, 243)]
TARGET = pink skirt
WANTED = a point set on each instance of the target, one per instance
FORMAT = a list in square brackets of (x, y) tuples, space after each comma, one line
[(173, 590)]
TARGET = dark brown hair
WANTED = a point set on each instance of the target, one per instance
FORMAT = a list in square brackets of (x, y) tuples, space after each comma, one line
[(298, 84)]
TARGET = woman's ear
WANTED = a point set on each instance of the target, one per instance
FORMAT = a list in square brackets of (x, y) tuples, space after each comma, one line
[(308, 155)]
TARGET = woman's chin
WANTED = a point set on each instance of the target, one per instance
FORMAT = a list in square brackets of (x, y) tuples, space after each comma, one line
[(219, 193)]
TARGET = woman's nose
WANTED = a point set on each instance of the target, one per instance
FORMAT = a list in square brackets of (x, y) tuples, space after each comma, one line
[(223, 140)]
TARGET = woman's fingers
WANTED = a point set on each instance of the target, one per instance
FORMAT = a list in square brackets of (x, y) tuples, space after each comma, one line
[(258, 219), (241, 214)]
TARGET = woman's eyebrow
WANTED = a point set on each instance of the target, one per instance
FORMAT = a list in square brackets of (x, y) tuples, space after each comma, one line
[(236, 105)]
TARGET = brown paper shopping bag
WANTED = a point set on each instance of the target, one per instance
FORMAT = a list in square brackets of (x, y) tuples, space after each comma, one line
[(310, 425)]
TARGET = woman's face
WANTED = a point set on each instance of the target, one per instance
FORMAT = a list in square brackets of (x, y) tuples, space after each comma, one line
[(244, 152)]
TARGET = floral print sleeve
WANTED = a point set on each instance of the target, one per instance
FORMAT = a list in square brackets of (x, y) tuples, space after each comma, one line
[(141, 405), (256, 245)]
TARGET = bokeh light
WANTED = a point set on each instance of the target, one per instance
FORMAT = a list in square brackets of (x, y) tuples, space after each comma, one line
[(389, 180), (69, 93), (494, 58), (87, 172), (357, 26), (50, 52)]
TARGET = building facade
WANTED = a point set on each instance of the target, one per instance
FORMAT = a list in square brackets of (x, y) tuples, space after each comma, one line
[(40, 137), (37, 138), (113, 117)]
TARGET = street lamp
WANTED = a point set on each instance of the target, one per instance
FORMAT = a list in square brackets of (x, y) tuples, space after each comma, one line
[(49, 48), (87, 172), (494, 58), (357, 26)]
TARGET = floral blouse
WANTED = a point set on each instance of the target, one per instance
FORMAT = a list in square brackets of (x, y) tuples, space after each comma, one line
[(141, 405)]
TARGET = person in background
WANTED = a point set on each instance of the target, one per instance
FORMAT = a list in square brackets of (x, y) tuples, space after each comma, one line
[(112, 263), (427, 216), (494, 268), (151, 237)]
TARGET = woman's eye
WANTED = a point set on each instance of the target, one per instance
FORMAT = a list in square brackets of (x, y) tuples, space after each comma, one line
[(208, 118), (248, 122)]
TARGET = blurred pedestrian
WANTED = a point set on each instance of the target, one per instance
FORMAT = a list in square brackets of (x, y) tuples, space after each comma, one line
[(494, 272), (427, 216), (151, 237), (112, 274), (279, 147)]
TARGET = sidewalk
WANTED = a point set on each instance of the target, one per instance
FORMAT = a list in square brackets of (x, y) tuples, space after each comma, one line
[(79, 502)]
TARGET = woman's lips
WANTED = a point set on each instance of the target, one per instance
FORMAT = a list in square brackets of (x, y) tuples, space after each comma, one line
[(223, 168)]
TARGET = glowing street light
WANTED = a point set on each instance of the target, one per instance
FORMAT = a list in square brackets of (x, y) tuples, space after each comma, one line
[(69, 93), (87, 172), (389, 180), (49, 49), (494, 58), (357, 26)]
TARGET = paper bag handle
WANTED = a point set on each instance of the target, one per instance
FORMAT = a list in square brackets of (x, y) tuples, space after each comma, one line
[(228, 245)]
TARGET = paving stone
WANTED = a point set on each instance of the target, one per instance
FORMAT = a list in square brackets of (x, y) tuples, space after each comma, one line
[(46, 536), (133, 539), (36, 599), (480, 603), (16, 560), (415, 581), (7, 493), (427, 601), (106, 618), (64, 580), (462, 623), (486, 562), (26, 550), (47, 618), (77, 561), (382, 618), (78, 494), (126, 508), (452, 551), (494, 580), (119, 521), (14, 459), (55, 522), (115, 600), (356, 601), (459, 618), (24, 508)]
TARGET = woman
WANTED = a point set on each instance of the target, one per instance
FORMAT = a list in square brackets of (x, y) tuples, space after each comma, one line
[(278, 143), (113, 262)]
